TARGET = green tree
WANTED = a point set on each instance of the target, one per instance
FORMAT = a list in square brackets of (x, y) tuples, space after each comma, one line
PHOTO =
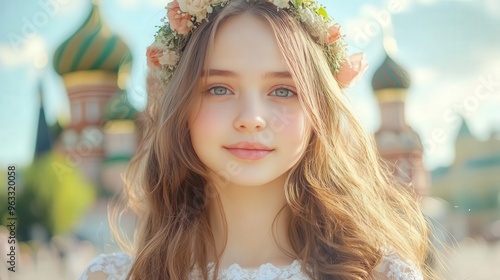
[(51, 194)]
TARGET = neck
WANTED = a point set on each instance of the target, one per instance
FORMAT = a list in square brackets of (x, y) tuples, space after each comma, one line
[(250, 212)]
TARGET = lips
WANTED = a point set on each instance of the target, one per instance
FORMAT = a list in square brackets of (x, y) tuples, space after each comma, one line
[(249, 146), (249, 150)]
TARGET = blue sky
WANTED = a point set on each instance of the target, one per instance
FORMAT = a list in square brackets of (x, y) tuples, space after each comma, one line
[(449, 47)]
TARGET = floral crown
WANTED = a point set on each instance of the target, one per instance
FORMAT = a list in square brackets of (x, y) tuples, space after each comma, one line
[(186, 15)]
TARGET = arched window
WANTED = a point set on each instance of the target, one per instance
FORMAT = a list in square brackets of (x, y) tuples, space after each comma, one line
[(92, 111), (76, 111)]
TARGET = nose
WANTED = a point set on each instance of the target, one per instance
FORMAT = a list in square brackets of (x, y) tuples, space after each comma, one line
[(251, 115)]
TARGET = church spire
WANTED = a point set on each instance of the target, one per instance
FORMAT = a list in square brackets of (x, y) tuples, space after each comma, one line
[(464, 130), (43, 142)]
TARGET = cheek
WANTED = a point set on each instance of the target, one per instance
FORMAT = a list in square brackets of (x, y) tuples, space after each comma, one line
[(294, 124), (302, 130), (205, 123)]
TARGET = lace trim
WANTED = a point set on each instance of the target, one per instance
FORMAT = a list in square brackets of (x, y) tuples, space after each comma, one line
[(394, 268), (266, 271), (116, 267)]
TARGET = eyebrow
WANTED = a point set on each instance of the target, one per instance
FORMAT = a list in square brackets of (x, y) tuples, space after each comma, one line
[(230, 74)]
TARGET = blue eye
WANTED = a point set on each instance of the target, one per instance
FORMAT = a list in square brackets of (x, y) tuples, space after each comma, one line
[(219, 90), (283, 92)]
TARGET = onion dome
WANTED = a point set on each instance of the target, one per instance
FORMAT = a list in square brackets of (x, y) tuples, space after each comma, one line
[(92, 47), (119, 108), (390, 75)]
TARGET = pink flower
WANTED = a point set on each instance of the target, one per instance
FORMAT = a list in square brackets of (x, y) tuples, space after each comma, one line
[(179, 21), (333, 33), (351, 70), (158, 56), (153, 54)]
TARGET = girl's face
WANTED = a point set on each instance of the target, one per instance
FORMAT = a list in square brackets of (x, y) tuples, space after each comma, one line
[(250, 128)]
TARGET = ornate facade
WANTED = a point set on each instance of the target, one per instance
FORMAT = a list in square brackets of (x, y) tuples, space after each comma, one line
[(398, 144), (101, 137), (471, 185)]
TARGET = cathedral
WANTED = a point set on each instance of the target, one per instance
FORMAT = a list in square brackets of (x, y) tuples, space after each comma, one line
[(397, 143), (471, 186), (102, 135)]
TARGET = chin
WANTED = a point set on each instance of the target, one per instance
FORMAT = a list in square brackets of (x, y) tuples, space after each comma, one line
[(253, 180)]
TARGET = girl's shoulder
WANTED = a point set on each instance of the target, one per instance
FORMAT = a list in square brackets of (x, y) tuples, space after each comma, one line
[(113, 266)]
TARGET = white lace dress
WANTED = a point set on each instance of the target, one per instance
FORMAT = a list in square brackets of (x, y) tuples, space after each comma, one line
[(116, 267)]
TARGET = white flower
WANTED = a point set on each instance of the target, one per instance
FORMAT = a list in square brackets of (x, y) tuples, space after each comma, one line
[(196, 8), (281, 3), (169, 58), (307, 16), (314, 23)]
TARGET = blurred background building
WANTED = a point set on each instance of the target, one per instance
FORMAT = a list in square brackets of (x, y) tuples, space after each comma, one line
[(471, 186), (94, 64), (461, 200), (104, 127), (397, 142), (85, 157)]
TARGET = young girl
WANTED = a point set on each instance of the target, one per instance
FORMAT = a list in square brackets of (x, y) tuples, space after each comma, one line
[(252, 166)]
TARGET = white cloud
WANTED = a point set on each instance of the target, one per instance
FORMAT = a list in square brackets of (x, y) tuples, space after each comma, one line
[(157, 3), (424, 75), (31, 51), (491, 65), (492, 7), (427, 2), (383, 15), (442, 105), (132, 4), (127, 4), (398, 6), (62, 8), (367, 10), (436, 118), (487, 81)]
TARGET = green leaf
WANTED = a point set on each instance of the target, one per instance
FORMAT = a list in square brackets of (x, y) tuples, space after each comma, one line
[(322, 12), (297, 3)]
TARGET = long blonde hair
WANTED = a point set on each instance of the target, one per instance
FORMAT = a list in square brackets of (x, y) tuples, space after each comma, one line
[(345, 205)]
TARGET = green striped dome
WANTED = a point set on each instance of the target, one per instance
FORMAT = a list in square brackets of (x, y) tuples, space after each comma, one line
[(390, 75), (93, 47)]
